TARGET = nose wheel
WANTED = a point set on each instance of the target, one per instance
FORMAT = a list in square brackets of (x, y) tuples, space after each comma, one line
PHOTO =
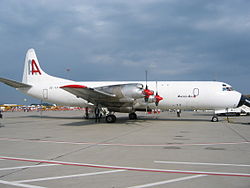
[(215, 118)]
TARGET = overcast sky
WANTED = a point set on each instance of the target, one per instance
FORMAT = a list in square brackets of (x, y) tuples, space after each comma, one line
[(120, 39)]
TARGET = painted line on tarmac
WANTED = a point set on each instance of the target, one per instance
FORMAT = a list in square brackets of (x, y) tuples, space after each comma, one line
[(128, 168), (19, 184), (22, 167), (69, 176), (196, 163), (118, 144), (167, 181)]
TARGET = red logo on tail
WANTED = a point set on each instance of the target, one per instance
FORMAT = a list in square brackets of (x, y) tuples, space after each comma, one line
[(34, 67)]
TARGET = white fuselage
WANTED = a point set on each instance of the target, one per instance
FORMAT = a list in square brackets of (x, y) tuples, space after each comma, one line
[(176, 94)]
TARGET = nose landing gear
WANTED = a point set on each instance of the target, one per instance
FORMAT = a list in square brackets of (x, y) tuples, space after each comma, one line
[(214, 119)]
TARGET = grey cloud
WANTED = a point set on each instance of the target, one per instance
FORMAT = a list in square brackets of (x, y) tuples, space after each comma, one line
[(119, 40)]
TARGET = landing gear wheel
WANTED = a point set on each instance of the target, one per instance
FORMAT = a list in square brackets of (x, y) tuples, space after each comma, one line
[(110, 118), (214, 119), (132, 116)]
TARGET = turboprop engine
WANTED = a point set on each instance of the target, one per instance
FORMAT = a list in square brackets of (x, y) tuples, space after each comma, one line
[(125, 91), (129, 97)]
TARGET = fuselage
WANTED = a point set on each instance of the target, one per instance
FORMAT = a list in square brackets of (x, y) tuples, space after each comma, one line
[(176, 94)]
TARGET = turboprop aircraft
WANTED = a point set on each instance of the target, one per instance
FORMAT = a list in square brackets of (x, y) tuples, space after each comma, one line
[(125, 96)]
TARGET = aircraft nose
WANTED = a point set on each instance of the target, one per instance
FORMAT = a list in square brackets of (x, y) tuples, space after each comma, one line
[(244, 101)]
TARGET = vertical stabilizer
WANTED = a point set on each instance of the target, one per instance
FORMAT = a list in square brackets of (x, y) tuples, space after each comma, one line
[(32, 70)]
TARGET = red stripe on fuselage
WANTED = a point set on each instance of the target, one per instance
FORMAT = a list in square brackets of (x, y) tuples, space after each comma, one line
[(73, 86)]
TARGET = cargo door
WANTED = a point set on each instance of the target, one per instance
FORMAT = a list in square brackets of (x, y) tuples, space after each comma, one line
[(45, 94)]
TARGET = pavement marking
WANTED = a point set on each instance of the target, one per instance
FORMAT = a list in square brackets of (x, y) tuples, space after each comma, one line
[(209, 164), (69, 176), (128, 168), (33, 166), (19, 184), (167, 181), (118, 144)]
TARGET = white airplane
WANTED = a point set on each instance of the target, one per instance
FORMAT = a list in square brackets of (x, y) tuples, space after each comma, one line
[(125, 96)]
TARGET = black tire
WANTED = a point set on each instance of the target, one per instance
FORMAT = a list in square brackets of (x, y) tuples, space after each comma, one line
[(132, 116), (214, 119), (110, 118)]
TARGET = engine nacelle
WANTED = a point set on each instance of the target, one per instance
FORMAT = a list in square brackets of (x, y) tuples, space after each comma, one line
[(133, 91), (151, 99)]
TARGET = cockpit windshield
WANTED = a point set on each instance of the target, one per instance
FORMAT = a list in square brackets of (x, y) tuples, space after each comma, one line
[(227, 87)]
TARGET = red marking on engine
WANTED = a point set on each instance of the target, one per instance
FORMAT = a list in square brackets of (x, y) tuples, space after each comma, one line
[(148, 92), (158, 98)]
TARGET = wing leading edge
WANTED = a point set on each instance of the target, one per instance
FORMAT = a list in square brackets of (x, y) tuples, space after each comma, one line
[(90, 94)]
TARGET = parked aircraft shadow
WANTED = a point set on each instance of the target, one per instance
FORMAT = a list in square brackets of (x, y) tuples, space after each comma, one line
[(177, 119), (51, 117), (248, 124), (240, 123), (120, 120), (126, 121), (80, 123)]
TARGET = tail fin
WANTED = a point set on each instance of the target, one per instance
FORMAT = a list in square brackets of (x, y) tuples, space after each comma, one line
[(32, 71)]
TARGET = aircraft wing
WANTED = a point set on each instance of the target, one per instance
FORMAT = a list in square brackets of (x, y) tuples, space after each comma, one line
[(90, 94), (13, 83)]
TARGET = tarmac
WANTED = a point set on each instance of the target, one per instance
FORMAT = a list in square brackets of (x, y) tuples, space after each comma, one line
[(60, 149)]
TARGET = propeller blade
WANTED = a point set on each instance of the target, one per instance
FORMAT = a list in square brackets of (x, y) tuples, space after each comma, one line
[(158, 98), (147, 92)]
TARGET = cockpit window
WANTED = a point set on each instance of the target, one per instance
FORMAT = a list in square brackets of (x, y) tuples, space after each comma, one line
[(226, 88)]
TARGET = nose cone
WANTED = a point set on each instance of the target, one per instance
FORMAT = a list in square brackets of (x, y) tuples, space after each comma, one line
[(244, 101)]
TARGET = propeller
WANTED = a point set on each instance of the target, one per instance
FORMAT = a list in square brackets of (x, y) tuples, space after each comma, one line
[(147, 92), (158, 98)]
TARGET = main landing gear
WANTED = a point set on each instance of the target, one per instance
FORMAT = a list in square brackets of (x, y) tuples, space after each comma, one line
[(110, 118), (132, 116)]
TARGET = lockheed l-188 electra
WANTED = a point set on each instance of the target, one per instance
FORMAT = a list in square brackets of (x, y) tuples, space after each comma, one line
[(125, 96)]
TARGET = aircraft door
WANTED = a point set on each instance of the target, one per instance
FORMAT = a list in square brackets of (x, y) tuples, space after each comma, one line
[(196, 92), (45, 94)]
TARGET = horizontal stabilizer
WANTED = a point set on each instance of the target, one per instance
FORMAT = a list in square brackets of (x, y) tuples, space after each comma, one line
[(14, 84)]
